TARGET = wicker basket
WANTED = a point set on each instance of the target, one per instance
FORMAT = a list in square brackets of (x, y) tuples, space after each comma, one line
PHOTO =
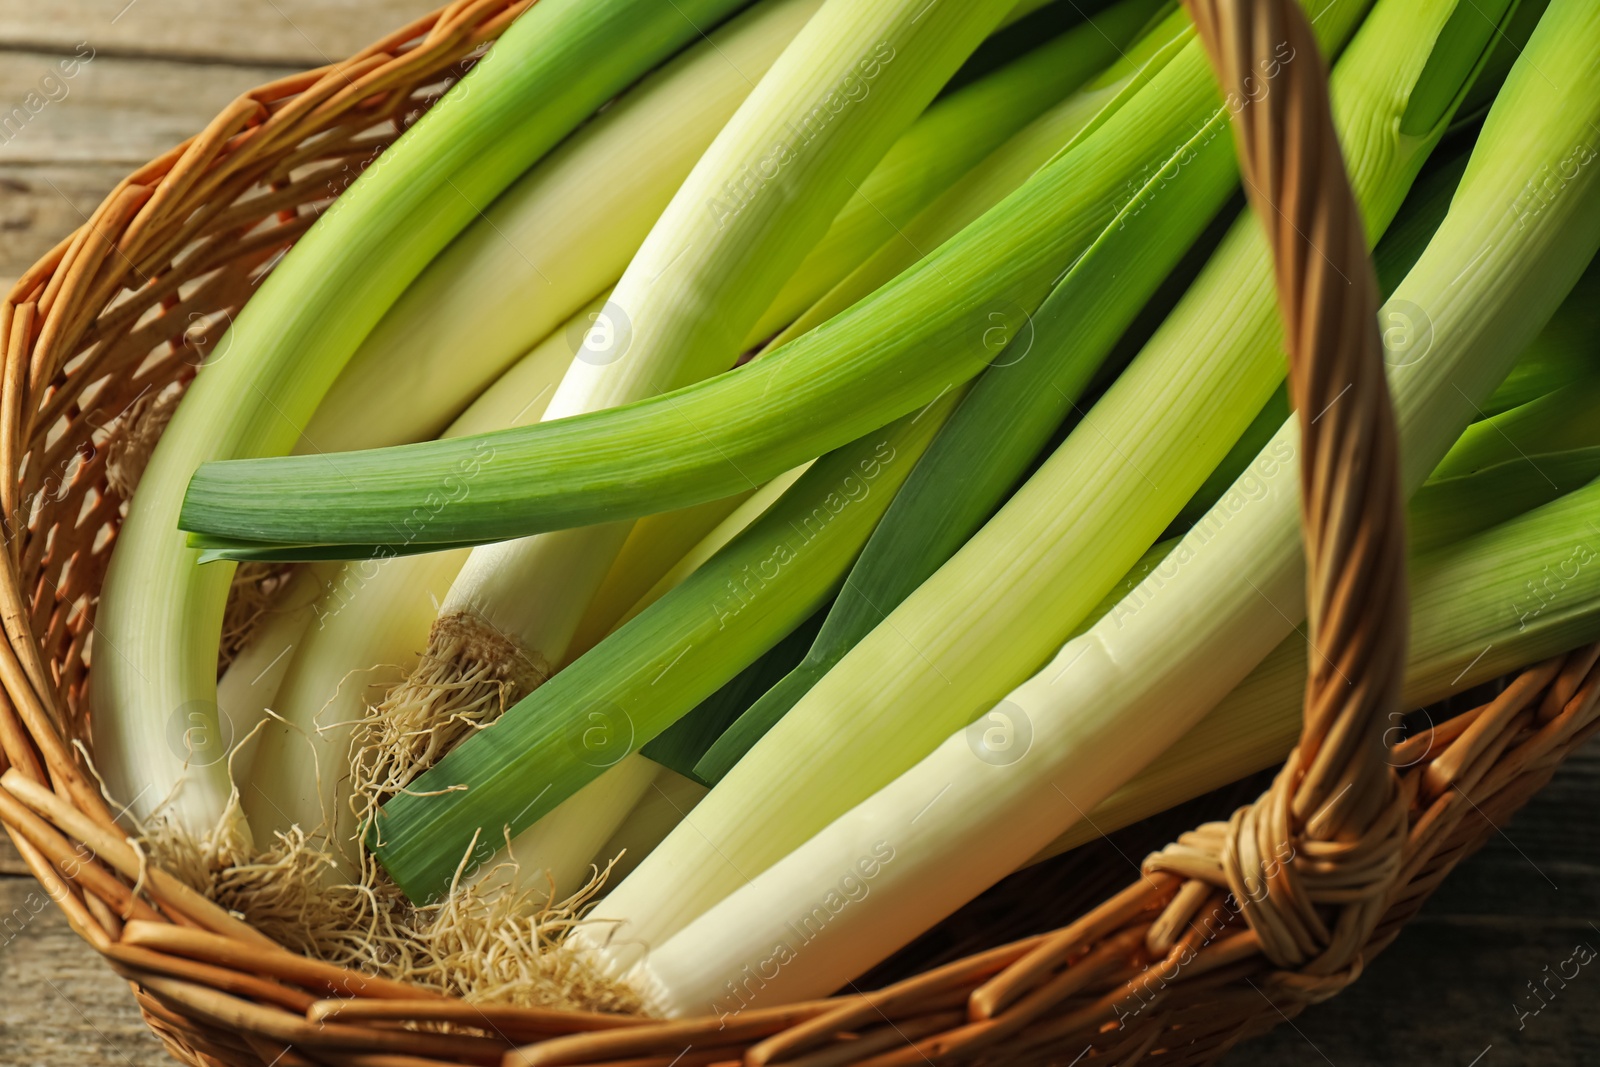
[(1223, 936)]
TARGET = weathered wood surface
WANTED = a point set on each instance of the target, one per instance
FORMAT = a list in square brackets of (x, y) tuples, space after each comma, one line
[(38, 205), (10, 863), (300, 33), (66, 141), (90, 89), (1453, 991), (109, 110), (1462, 986), (60, 1004)]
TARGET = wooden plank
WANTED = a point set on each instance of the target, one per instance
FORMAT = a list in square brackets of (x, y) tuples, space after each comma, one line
[(62, 1004), (1455, 985), (40, 205), (65, 142), (299, 32), (58, 109), (1545, 863), (10, 862), (1449, 993)]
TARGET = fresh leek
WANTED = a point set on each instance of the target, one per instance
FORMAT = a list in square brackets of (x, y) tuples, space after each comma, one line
[(752, 207), (953, 135), (424, 833), (1202, 630), (562, 233), (999, 609), (159, 614), (1463, 633), (1466, 629), (357, 639)]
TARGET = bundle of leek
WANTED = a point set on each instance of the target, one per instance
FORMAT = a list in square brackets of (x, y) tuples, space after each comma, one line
[(1201, 631), (983, 498), (753, 206), (422, 860), (159, 614), (1003, 604), (372, 614), (474, 298), (886, 356)]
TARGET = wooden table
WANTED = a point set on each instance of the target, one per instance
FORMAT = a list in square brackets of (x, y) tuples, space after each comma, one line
[(1451, 992)]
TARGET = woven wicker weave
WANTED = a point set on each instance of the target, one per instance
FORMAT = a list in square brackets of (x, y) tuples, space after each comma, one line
[(1232, 929)]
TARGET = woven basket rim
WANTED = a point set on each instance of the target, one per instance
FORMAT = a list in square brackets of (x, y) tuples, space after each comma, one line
[(104, 311)]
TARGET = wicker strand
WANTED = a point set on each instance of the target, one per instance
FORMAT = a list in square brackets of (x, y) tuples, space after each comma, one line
[(1330, 830)]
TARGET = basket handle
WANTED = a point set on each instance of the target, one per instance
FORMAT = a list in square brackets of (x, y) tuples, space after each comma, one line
[(1336, 803)]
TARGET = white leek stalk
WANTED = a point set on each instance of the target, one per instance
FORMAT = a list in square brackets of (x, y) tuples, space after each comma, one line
[(250, 684), (1470, 623), (670, 798), (555, 855)]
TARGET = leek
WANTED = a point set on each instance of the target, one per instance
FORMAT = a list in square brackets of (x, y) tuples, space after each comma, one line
[(1464, 632), (1201, 630), (159, 614), (654, 545), (755, 203), (685, 745), (1000, 173), (1402, 244), (1231, 743), (954, 134), (1523, 457), (248, 687), (1449, 504), (1563, 353), (1466, 629), (1001, 606), (555, 854), (1565, 419), (559, 847), (1559, 357), (487, 264), (423, 834), (944, 142), (670, 797), (971, 467)]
